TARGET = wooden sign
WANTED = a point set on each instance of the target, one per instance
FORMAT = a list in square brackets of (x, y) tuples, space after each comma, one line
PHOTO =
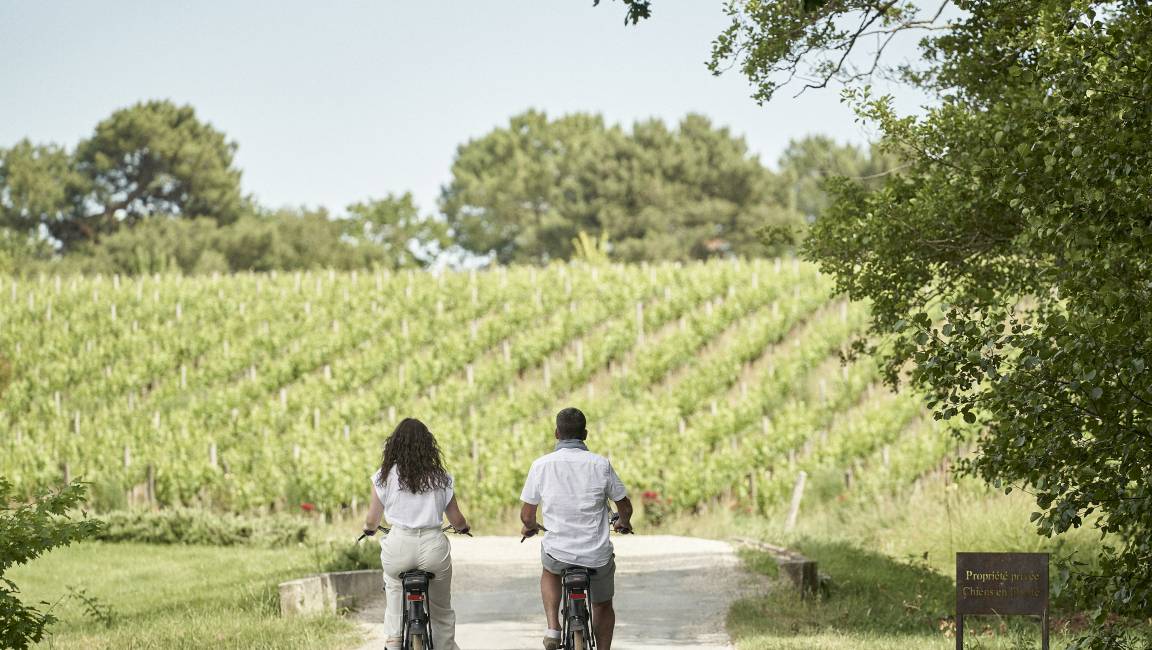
[(1001, 584)]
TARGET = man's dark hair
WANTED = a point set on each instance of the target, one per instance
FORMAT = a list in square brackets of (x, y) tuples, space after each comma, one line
[(571, 424)]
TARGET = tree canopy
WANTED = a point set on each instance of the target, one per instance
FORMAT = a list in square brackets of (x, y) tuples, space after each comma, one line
[(523, 192), (1007, 263), (152, 159), (155, 189)]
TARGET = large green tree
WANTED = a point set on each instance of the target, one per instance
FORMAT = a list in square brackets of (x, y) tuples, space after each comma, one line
[(523, 193), (152, 159), (1008, 263)]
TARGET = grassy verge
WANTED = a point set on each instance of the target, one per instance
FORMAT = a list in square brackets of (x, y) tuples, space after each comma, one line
[(876, 602), (891, 559), (149, 596)]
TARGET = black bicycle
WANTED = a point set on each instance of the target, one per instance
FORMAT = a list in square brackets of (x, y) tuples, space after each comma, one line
[(416, 628), (575, 614)]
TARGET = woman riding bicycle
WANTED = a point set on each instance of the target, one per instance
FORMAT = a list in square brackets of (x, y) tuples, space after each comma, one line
[(414, 492)]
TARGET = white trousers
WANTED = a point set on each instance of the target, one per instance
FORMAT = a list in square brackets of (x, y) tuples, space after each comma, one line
[(426, 549)]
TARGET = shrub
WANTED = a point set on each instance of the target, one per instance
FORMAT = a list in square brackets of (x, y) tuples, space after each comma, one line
[(188, 526), (27, 530)]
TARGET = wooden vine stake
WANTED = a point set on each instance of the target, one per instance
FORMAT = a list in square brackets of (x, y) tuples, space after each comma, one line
[(639, 323), (150, 481), (797, 495)]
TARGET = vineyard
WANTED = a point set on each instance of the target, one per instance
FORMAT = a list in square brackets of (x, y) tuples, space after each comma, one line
[(265, 392)]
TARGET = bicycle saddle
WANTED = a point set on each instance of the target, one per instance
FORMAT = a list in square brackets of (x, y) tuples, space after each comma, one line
[(577, 577), (416, 579)]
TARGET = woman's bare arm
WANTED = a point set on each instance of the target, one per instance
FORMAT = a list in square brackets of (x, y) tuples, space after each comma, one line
[(455, 517), (375, 511)]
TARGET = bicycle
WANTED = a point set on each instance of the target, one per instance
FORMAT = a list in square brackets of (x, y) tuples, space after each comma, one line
[(576, 617), (416, 625)]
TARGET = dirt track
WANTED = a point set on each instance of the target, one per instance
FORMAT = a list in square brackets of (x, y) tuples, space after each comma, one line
[(671, 593)]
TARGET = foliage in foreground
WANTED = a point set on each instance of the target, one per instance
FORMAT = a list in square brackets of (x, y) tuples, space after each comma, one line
[(26, 532), (1022, 213)]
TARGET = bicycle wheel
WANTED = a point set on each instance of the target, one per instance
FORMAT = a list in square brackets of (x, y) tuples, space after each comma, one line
[(417, 642), (578, 640)]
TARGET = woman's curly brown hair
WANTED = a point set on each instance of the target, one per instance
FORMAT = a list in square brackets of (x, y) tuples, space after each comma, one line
[(413, 451)]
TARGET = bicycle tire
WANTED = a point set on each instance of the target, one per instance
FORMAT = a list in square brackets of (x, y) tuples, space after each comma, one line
[(417, 642), (578, 640)]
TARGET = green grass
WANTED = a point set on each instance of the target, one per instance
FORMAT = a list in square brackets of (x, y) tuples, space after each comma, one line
[(875, 601), (177, 597), (891, 560)]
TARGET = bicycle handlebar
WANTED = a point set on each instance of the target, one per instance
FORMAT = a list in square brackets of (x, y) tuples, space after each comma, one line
[(372, 533), (539, 529), (611, 522), (449, 528)]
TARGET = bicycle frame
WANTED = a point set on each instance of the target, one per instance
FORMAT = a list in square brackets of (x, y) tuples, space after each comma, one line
[(417, 631), (575, 611)]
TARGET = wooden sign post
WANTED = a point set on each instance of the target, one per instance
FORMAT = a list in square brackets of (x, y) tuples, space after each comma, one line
[(1001, 583)]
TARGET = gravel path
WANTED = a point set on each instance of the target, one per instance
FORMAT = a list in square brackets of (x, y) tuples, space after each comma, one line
[(671, 593)]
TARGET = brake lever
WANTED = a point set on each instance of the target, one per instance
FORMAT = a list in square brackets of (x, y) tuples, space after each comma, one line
[(365, 535), (538, 529)]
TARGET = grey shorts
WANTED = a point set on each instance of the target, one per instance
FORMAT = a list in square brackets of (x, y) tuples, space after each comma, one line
[(602, 583)]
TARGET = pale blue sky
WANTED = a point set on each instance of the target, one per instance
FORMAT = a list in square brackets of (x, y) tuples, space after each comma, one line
[(335, 102)]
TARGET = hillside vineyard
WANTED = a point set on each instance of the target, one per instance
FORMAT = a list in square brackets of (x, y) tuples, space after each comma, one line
[(258, 392)]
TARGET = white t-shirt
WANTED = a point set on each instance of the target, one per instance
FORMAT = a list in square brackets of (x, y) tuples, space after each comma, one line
[(574, 486), (404, 508)]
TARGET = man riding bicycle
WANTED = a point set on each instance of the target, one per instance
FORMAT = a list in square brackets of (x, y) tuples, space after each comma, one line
[(574, 485)]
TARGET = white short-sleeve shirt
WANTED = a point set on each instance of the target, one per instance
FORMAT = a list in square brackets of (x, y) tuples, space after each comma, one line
[(408, 509), (574, 486)]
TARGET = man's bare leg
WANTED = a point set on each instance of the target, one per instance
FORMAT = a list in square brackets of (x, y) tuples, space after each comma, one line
[(604, 622), (550, 594)]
